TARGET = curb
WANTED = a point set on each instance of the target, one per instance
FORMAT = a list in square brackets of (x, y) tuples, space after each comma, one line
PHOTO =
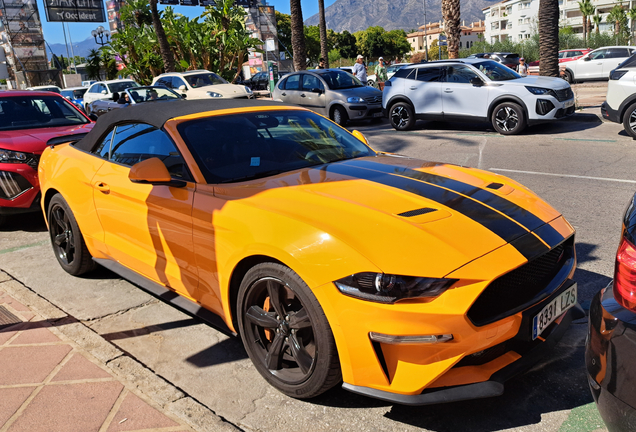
[(164, 394)]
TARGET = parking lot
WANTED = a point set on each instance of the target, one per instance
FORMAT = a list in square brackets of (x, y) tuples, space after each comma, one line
[(582, 167)]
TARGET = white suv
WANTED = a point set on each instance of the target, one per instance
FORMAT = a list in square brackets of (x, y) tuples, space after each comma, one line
[(620, 102), (474, 90), (597, 64), (202, 84), (105, 89)]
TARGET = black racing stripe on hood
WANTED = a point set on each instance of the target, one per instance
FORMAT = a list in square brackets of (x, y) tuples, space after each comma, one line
[(490, 219), (510, 209), (530, 246)]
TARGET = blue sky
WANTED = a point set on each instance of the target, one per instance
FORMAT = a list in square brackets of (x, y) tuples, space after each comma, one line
[(80, 31)]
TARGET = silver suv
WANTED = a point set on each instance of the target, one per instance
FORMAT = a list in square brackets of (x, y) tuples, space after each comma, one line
[(474, 90)]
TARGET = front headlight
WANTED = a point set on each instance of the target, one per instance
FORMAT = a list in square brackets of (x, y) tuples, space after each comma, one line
[(215, 95), (355, 100), (384, 288), (248, 90), (9, 156), (539, 90)]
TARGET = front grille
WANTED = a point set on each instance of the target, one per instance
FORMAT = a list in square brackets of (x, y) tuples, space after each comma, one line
[(513, 291), (374, 99), (563, 95), (563, 112), (12, 184)]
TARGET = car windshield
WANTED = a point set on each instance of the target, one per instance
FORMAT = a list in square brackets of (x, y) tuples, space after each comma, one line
[(248, 146), (28, 112), (121, 86), (338, 80), (496, 71), (204, 79), (149, 94)]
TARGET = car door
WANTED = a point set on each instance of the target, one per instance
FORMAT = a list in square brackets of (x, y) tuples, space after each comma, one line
[(292, 90), (147, 228), (613, 58), (312, 95), (425, 90), (592, 68), (177, 84), (460, 97)]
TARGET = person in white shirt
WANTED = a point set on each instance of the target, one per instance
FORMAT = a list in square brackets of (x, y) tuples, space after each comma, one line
[(522, 68), (360, 70)]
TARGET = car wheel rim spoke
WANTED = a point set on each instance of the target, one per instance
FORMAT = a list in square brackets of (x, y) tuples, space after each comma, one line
[(273, 289), (300, 354), (300, 320), (632, 121), (400, 116), (258, 316), (507, 119), (275, 352), (60, 239)]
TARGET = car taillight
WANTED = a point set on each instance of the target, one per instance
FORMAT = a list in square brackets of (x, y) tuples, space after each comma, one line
[(625, 275)]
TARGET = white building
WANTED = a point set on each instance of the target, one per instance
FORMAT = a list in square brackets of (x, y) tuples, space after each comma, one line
[(430, 32), (571, 14), (511, 19)]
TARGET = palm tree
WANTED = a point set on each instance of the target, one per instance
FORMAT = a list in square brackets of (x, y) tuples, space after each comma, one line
[(450, 12), (632, 17), (587, 9), (324, 51), (549, 37), (93, 64), (617, 17), (298, 35), (164, 46), (597, 22)]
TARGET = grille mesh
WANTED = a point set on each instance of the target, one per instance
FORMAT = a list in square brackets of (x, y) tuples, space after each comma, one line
[(565, 94), (374, 99), (520, 286)]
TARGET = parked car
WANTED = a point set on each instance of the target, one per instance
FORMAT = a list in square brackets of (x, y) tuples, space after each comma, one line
[(75, 95), (258, 81), (567, 55), (331, 92), (88, 83), (390, 71), (132, 96), (202, 84), (49, 88), (105, 90), (610, 346), (28, 119), (410, 281), (508, 59), (474, 90), (620, 101), (597, 64)]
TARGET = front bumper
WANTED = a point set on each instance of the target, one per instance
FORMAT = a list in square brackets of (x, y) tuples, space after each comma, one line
[(610, 350), (19, 188), (609, 113), (362, 111), (548, 108)]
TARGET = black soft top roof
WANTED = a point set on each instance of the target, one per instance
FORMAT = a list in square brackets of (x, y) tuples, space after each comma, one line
[(159, 112)]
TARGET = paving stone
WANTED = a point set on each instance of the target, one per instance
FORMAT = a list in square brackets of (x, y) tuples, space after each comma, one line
[(79, 368), (35, 335), (69, 408), (12, 399), (16, 305), (4, 277), (31, 364), (87, 339), (138, 415), (29, 298)]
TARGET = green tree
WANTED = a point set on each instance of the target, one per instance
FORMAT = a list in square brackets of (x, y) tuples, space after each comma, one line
[(395, 44), (312, 43), (618, 17), (347, 45), (434, 52), (370, 42), (93, 64), (632, 17), (108, 63), (164, 46), (283, 30), (597, 23)]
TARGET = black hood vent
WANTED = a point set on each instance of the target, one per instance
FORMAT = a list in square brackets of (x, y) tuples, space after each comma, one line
[(417, 212)]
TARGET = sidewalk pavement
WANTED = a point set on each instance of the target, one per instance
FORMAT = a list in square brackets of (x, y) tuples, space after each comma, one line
[(56, 375)]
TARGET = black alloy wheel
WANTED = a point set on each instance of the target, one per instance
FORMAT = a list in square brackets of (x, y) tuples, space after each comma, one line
[(629, 120), (67, 241), (285, 332), (508, 118), (401, 116)]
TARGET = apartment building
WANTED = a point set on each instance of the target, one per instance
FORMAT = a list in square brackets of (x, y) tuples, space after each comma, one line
[(571, 14), (435, 32), (511, 19)]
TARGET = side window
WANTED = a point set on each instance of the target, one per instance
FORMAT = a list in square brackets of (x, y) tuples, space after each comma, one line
[(459, 74), (281, 84), (102, 87), (94, 88), (312, 82), (405, 73), (137, 142), (165, 81), (600, 54), (293, 83), (429, 74), (617, 53), (563, 55), (177, 82), (103, 147)]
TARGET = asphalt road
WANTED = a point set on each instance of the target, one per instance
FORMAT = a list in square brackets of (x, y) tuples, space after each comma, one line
[(583, 169)]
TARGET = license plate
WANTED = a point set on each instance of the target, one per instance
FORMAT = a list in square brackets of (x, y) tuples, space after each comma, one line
[(553, 310), (569, 103), (378, 114)]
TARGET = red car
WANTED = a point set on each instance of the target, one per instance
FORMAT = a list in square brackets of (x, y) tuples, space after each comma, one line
[(567, 55), (28, 119)]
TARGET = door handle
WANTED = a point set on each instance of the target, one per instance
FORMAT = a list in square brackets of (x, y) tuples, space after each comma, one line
[(302, 95), (283, 94), (413, 88), (102, 187), (448, 90)]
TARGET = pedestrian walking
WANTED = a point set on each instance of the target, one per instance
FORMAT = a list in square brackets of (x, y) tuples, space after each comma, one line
[(360, 70), (380, 73), (522, 67), (321, 63)]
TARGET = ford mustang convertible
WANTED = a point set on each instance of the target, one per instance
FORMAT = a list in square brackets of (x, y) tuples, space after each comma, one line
[(409, 281)]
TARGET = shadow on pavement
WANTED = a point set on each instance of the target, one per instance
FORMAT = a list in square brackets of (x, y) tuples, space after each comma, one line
[(29, 222), (227, 351)]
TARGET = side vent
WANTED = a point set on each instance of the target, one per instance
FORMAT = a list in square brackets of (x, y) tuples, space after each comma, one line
[(495, 186), (417, 212)]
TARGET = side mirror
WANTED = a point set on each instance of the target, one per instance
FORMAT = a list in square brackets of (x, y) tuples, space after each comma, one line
[(183, 88), (356, 133), (104, 92), (586, 58), (93, 116), (476, 81), (184, 96), (153, 171), (316, 90)]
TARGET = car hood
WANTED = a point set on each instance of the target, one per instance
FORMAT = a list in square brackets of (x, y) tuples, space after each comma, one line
[(227, 90), (34, 140), (539, 81), (363, 92), (402, 214)]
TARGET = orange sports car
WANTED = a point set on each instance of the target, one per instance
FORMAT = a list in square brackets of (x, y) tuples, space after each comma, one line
[(410, 281)]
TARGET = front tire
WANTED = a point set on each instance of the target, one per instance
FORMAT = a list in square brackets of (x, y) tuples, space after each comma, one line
[(67, 240), (567, 75), (629, 120), (508, 118), (339, 116), (401, 116), (285, 332), (371, 83)]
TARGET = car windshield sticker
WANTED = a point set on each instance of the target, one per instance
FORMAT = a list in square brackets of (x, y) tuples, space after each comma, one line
[(256, 161)]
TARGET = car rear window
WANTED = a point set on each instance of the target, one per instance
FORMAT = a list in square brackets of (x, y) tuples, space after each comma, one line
[(510, 56)]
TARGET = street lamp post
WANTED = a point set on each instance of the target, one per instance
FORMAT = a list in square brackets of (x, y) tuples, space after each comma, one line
[(425, 38), (101, 33)]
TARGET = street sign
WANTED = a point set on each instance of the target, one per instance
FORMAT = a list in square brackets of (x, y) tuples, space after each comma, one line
[(74, 11)]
